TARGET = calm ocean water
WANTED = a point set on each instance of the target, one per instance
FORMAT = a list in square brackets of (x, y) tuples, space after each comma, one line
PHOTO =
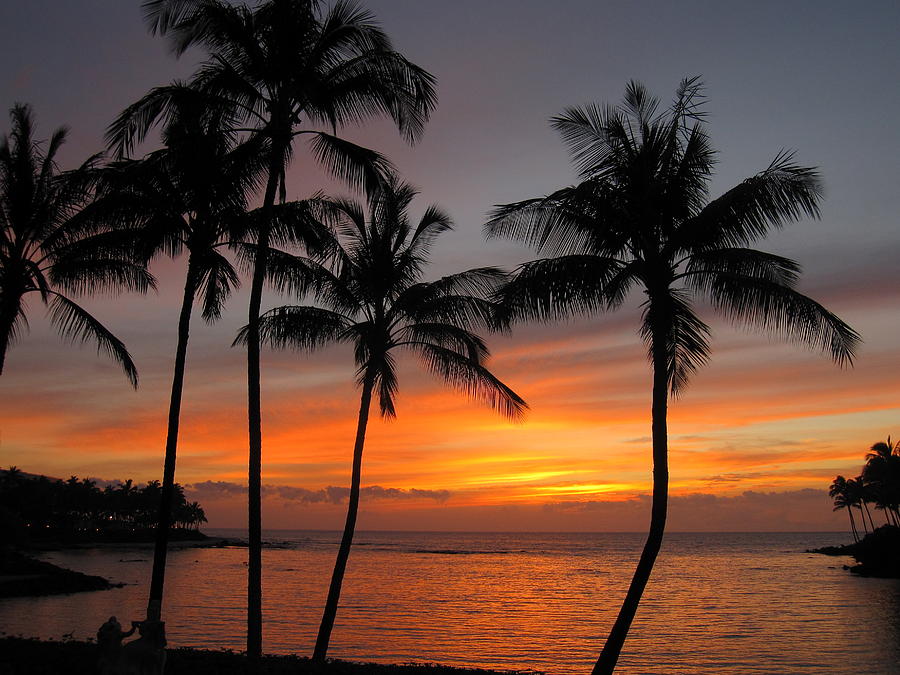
[(717, 603)]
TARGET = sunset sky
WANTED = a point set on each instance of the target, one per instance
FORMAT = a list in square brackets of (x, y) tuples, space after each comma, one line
[(754, 441)]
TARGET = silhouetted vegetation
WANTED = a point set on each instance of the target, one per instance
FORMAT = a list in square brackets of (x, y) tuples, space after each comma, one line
[(641, 218), (374, 299), (47, 252), (878, 551), (283, 63), (77, 510)]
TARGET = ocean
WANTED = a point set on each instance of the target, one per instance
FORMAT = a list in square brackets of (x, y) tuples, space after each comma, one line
[(730, 604)]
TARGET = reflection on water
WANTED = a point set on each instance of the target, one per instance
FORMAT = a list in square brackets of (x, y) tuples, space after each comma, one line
[(717, 603)]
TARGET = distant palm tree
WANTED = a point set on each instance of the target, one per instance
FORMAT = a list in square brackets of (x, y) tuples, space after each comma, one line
[(840, 492), (376, 301), (287, 64), (641, 218), (857, 494), (881, 474), (46, 251)]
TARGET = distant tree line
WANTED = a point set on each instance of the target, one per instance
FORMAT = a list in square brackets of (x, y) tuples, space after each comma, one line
[(878, 485), (80, 507)]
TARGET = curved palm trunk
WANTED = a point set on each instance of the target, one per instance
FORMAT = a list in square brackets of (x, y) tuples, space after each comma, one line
[(852, 525), (340, 565), (613, 647), (862, 517), (868, 513), (164, 517), (254, 420)]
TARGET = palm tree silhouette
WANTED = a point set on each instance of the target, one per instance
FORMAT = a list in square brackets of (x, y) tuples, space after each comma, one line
[(641, 218), (191, 196), (375, 300), (840, 491), (289, 63), (46, 250), (881, 474)]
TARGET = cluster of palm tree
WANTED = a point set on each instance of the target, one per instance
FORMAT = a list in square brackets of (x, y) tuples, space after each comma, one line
[(878, 484), (80, 508), (640, 217)]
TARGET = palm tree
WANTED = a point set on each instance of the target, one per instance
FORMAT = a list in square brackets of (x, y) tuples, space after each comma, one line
[(193, 195), (881, 474), (287, 63), (840, 492), (45, 251), (641, 218), (375, 300), (857, 493)]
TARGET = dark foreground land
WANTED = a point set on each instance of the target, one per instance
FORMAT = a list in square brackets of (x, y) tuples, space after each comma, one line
[(19, 656), (878, 553)]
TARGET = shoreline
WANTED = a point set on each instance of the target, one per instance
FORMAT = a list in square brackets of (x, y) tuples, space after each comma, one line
[(877, 554), (24, 576), (31, 656)]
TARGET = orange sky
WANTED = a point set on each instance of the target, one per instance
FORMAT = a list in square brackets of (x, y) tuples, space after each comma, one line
[(762, 418), (754, 441)]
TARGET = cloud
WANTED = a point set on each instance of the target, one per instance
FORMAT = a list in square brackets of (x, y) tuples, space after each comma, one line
[(212, 490), (793, 510)]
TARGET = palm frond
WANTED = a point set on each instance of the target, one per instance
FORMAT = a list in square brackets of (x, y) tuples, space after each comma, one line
[(216, 284), (686, 336), (782, 193), (556, 288), (444, 335), (778, 309), (299, 327), (75, 324), (744, 262), (473, 379), (354, 164)]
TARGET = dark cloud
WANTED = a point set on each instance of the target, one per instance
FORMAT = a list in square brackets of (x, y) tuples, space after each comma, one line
[(328, 495)]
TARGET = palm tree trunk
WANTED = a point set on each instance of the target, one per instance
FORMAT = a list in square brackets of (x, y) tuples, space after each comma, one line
[(613, 647), (862, 517), (254, 423), (164, 518), (869, 513), (340, 565), (852, 525)]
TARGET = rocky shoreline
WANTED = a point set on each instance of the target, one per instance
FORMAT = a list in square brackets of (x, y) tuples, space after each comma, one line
[(877, 554), (21, 575)]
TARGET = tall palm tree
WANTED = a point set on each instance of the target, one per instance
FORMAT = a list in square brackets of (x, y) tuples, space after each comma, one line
[(193, 195), (840, 492), (641, 218), (375, 300), (46, 251), (288, 64), (881, 474)]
